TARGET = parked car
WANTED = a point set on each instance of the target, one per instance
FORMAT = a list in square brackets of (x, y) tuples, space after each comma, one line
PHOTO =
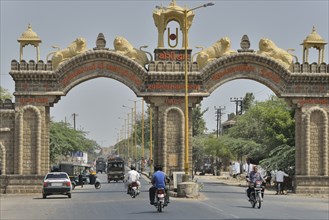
[(56, 183)]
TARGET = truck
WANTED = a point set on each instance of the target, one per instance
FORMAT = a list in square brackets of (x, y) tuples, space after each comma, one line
[(115, 169), (100, 165)]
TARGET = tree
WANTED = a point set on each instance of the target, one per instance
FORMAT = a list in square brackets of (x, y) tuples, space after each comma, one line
[(199, 124), (215, 147), (64, 140), (281, 157), (248, 101), (269, 124), (4, 94)]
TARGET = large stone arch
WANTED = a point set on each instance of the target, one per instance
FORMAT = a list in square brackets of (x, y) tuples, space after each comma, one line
[(306, 90), (99, 63), (246, 66), (39, 87)]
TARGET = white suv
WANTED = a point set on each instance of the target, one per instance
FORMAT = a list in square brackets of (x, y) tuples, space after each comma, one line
[(56, 183)]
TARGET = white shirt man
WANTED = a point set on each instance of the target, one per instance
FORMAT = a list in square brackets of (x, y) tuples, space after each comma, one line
[(133, 176), (248, 168), (279, 175)]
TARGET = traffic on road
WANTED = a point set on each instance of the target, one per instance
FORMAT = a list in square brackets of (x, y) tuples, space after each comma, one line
[(111, 201)]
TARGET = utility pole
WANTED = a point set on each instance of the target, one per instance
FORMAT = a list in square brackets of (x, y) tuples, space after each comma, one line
[(74, 117), (219, 114), (238, 103)]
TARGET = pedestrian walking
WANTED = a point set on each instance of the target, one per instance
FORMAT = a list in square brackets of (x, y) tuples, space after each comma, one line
[(279, 177)]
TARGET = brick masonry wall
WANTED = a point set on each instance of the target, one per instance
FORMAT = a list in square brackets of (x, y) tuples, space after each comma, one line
[(12, 184)]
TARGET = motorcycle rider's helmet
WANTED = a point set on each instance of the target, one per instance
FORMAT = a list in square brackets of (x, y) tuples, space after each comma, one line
[(158, 168), (132, 167)]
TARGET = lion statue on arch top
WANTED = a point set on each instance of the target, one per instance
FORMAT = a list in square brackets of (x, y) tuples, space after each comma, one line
[(221, 48), (76, 47), (123, 47), (268, 48)]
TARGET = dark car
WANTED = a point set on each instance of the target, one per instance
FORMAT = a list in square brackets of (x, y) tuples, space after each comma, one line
[(56, 183)]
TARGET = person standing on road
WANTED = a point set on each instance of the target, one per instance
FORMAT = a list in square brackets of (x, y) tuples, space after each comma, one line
[(279, 176), (81, 180)]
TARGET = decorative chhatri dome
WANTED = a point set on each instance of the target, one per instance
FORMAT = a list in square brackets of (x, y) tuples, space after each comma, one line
[(316, 41), (163, 15), (314, 37), (29, 35)]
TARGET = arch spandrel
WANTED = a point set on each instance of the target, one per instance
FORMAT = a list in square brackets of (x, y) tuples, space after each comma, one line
[(245, 66), (94, 64)]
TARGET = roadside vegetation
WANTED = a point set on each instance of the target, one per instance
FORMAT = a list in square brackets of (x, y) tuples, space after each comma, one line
[(264, 133)]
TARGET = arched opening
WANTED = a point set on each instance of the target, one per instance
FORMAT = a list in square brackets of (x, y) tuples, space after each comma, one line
[(95, 106), (226, 96)]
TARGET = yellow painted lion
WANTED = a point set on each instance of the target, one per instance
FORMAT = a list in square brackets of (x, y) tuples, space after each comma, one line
[(123, 47), (76, 47), (221, 48), (268, 48)]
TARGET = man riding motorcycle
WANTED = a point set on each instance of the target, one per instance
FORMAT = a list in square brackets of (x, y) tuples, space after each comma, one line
[(252, 178), (132, 176), (159, 180)]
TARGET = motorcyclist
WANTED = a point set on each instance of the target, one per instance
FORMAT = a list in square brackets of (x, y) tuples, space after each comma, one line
[(159, 180), (254, 176), (133, 176)]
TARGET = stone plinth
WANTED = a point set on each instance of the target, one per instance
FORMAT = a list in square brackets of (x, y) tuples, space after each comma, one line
[(188, 189)]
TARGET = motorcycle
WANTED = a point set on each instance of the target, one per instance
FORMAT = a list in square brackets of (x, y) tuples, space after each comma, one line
[(160, 201), (133, 189), (256, 194)]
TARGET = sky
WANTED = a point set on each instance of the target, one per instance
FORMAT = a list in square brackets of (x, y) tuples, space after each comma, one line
[(98, 103)]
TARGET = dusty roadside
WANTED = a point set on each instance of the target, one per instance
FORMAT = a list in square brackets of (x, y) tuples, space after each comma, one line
[(225, 178)]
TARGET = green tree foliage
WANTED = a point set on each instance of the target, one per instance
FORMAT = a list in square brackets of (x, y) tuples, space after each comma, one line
[(270, 124), (4, 94), (281, 157), (199, 124), (216, 147), (64, 140), (248, 101)]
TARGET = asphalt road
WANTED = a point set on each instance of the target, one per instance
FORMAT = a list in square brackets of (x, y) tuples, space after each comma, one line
[(217, 201)]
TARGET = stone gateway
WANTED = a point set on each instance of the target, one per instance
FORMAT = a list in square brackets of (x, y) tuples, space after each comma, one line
[(24, 128)]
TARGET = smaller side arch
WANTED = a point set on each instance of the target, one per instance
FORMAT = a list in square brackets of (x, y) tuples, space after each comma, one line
[(308, 140), (3, 159), (165, 144), (21, 136)]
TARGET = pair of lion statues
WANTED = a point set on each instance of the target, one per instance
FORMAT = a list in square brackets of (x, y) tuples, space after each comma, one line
[(223, 48), (78, 46)]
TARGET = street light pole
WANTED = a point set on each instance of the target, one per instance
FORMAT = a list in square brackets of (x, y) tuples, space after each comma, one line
[(186, 166), (151, 147), (142, 163)]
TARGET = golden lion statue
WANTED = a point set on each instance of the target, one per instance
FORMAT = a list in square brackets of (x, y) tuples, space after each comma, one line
[(268, 48), (76, 47), (221, 48), (123, 47)]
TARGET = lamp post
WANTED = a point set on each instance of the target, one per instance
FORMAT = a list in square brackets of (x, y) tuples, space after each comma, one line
[(125, 133), (151, 148), (186, 165), (133, 132), (143, 156)]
